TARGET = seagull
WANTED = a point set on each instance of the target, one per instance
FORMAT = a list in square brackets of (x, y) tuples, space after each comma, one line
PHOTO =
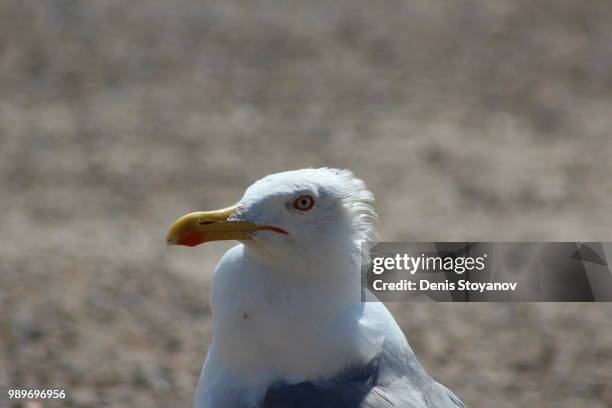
[(290, 327)]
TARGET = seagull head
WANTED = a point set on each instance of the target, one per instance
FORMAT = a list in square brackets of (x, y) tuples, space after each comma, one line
[(286, 214)]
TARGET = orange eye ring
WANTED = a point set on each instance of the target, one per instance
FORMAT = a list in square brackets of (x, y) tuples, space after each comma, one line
[(304, 202)]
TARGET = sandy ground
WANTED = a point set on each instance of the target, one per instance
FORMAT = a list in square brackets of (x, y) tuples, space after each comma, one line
[(469, 119)]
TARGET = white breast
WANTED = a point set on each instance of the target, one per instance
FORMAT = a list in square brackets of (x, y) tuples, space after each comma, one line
[(267, 327)]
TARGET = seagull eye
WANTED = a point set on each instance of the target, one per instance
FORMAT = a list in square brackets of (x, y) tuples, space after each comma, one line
[(303, 203)]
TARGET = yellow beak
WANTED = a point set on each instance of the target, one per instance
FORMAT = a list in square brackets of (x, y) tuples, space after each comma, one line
[(205, 226)]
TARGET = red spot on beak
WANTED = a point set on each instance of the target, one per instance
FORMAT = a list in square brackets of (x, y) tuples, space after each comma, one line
[(191, 238)]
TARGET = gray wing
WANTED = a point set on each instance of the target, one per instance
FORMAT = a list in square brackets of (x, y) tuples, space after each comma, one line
[(394, 378)]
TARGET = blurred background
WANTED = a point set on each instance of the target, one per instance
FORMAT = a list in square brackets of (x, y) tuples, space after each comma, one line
[(469, 119)]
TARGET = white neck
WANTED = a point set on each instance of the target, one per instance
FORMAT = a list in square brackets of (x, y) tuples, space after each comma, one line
[(333, 267), (302, 316)]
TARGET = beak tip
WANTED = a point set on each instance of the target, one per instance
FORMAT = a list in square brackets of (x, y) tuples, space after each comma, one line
[(171, 239)]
